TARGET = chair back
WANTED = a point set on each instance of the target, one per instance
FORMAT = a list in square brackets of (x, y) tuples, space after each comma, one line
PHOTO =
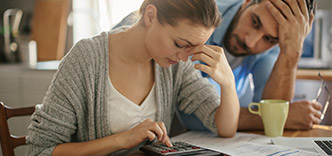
[(10, 142)]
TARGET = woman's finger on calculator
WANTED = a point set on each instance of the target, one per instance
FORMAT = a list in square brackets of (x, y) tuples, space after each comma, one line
[(166, 139), (163, 127), (150, 135), (168, 142), (155, 127)]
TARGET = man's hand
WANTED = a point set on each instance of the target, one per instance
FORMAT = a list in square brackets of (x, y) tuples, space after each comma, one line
[(303, 114), (294, 25)]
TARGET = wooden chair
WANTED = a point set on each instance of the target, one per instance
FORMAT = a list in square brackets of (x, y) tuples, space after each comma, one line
[(10, 142)]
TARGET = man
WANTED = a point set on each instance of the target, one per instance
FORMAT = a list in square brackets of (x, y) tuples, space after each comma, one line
[(249, 34)]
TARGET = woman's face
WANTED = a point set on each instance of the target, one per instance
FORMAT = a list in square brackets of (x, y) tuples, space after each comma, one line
[(168, 44)]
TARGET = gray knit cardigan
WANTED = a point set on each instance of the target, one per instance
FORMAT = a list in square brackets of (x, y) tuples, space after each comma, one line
[(75, 107)]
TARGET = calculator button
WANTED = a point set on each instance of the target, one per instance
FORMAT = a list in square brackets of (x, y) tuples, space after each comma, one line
[(179, 148), (164, 151)]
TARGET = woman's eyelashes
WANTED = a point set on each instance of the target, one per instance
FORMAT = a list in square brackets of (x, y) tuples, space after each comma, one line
[(178, 45)]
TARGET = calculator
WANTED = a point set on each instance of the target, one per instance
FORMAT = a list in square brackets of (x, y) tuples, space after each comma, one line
[(179, 148)]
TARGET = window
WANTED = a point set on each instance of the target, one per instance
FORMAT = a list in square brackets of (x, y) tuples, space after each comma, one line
[(90, 17)]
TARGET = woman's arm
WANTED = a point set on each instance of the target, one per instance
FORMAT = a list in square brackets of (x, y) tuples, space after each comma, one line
[(227, 114), (217, 67), (103, 146), (125, 140)]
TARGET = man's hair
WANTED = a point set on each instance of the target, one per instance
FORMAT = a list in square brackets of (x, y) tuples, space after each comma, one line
[(310, 4), (204, 12)]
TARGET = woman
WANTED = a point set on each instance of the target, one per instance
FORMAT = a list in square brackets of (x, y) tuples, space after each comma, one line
[(114, 91)]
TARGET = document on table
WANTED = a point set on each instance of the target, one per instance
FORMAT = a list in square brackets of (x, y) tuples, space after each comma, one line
[(242, 144)]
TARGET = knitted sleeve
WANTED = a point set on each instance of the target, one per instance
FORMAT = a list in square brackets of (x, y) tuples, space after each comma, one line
[(55, 121), (197, 95)]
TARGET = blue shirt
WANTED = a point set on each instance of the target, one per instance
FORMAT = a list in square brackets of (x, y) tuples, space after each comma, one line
[(260, 65)]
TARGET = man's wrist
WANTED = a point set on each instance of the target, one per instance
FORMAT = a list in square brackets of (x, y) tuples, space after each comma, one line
[(290, 58), (248, 121), (291, 52)]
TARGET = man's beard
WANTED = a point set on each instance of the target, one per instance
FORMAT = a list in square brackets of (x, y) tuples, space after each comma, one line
[(229, 34)]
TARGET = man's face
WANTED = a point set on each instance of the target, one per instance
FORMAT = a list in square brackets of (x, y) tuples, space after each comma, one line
[(252, 31)]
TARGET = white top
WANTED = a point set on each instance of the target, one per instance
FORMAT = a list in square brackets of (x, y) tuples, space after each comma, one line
[(233, 61), (126, 114)]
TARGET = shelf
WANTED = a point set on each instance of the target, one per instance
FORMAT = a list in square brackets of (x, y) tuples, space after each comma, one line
[(312, 74)]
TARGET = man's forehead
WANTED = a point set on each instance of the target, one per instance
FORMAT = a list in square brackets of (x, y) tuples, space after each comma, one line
[(269, 23)]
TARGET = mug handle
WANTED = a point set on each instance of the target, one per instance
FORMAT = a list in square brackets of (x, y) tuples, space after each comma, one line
[(258, 112)]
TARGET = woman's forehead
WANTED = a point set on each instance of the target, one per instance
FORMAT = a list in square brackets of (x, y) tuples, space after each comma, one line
[(195, 33)]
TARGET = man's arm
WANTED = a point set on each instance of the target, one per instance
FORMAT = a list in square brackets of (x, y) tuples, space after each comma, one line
[(281, 83), (302, 115), (248, 121), (294, 26)]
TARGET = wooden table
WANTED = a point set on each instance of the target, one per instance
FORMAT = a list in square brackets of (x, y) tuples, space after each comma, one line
[(316, 131)]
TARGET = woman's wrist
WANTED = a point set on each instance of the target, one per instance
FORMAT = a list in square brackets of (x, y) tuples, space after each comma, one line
[(229, 85), (119, 141)]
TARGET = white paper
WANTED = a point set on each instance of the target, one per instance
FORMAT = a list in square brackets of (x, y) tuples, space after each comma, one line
[(212, 140), (242, 144), (254, 149), (304, 143)]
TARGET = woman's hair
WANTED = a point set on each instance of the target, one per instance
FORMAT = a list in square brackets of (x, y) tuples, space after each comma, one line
[(204, 12)]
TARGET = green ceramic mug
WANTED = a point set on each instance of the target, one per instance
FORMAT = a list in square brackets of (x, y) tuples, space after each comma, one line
[(273, 113)]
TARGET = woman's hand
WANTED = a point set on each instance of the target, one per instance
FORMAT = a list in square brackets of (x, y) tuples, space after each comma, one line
[(227, 114), (148, 129), (216, 66)]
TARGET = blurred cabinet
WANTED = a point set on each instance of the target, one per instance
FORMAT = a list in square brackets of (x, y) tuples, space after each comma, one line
[(20, 87), (49, 28)]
